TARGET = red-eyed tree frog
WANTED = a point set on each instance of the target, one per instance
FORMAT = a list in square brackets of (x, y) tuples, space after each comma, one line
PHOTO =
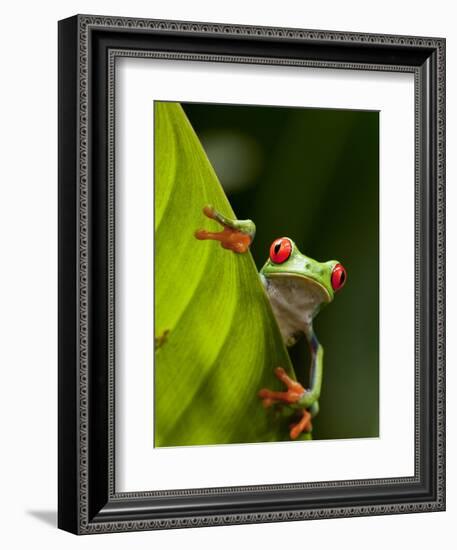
[(297, 287)]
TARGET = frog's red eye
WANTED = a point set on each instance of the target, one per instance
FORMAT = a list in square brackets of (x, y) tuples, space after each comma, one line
[(338, 277), (280, 250)]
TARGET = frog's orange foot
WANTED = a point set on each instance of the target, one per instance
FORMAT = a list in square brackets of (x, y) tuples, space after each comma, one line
[(293, 394), (303, 425), (159, 341), (231, 237)]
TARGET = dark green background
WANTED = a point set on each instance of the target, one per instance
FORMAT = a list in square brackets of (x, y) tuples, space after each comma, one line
[(313, 175)]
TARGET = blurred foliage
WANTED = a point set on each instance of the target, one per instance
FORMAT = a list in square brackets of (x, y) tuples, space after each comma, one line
[(313, 175), (216, 338)]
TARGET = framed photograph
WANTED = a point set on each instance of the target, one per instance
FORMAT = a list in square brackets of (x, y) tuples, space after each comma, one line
[(251, 274)]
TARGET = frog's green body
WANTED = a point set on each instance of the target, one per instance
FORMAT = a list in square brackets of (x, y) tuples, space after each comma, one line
[(297, 287)]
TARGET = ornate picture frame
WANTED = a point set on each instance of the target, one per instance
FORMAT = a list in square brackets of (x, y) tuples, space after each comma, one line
[(88, 49)]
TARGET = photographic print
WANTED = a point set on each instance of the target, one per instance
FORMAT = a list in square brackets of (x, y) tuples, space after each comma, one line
[(266, 274)]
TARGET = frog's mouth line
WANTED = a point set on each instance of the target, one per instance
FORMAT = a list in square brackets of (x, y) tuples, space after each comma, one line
[(307, 281)]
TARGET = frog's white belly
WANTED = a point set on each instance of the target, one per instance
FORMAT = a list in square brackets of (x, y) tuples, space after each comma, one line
[(295, 302)]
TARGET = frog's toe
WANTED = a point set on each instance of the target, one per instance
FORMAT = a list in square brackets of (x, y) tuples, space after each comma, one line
[(236, 241), (267, 401), (303, 425), (203, 235), (210, 211)]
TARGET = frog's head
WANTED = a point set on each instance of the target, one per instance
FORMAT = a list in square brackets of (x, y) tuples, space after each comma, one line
[(322, 280)]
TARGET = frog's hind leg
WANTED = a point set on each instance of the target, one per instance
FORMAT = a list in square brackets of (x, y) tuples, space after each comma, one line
[(314, 409), (237, 235), (293, 394)]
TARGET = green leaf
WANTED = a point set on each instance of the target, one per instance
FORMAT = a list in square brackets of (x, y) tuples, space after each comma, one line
[(218, 341)]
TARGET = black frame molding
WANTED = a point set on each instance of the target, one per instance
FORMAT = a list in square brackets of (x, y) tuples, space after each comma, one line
[(88, 47)]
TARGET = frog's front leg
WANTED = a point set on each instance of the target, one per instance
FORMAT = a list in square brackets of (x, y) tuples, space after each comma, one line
[(237, 235), (296, 396)]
